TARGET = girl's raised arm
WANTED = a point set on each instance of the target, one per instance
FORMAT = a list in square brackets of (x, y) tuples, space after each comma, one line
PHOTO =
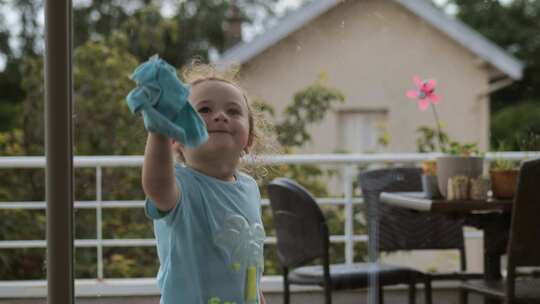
[(158, 179)]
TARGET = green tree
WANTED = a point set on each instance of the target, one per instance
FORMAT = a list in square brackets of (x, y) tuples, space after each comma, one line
[(514, 26), (309, 106), (111, 39), (5, 50), (98, 19), (193, 29), (105, 55), (30, 34), (103, 125), (517, 126), (10, 90), (11, 93)]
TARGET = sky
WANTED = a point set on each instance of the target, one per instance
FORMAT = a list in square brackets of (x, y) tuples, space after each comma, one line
[(248, 32)]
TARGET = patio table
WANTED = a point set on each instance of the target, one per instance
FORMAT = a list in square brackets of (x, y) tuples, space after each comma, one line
[(491, 216)]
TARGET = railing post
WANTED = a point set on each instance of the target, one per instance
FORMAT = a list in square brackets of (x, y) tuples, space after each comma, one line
[(99, 223), (348, 192)]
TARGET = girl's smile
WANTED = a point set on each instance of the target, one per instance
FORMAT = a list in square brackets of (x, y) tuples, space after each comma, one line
[(219, 131)]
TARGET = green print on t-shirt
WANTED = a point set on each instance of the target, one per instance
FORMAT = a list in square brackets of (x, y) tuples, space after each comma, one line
[(216, 300), (244, 245)]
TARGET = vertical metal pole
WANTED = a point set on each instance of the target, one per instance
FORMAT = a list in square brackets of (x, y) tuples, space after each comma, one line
[(58, 151), (99, 223), (348, 191)]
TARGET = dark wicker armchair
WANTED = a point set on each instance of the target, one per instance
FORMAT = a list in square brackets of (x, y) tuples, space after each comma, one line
[(393, 228)]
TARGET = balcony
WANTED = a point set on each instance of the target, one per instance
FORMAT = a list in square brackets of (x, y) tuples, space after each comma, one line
[(103, 288)]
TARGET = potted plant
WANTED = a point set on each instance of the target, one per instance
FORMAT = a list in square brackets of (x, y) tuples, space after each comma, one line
[(425, 95), (459, 159), (504, 174), (426, 143), (429, 179)]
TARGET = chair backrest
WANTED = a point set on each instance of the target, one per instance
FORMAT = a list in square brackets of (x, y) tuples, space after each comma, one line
[(301, 230), (524, 245), (393, 228)]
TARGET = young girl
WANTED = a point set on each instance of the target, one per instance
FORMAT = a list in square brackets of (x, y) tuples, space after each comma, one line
[(207, 215)]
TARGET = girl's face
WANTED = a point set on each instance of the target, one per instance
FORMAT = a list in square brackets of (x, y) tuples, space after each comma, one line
[(224, 110)]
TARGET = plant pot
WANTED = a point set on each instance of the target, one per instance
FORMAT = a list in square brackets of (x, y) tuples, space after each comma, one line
[(430, 186), (504, 182), (449, 166)]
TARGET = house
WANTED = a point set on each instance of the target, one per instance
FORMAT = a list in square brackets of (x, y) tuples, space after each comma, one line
[(370, 49)]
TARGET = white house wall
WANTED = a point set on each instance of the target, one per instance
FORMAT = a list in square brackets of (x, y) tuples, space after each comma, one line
[(370, 49)]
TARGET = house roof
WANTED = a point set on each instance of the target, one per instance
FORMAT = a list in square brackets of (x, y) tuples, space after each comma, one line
[(461, 33)]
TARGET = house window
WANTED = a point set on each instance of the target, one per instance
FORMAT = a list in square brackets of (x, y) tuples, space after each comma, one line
[(362, 130)]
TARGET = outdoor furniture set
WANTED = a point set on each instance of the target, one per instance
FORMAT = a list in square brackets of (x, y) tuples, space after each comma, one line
[(400, 217)]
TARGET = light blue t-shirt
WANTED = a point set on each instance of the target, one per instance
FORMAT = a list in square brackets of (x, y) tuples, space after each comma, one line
[(210, 246)]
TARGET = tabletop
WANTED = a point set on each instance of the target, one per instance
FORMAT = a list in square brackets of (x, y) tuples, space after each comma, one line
[(418, 201)]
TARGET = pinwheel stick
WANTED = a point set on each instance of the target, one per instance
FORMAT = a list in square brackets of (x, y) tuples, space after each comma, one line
[(439, 132)]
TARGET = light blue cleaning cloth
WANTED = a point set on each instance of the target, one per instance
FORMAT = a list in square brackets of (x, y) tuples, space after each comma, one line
[(163, 100)]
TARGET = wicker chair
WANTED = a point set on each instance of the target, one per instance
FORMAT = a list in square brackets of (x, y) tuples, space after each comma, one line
[(393, 228), (302, 237), (523, 247)]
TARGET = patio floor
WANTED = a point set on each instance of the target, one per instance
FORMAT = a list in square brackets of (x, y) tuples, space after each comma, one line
[(394, 296)]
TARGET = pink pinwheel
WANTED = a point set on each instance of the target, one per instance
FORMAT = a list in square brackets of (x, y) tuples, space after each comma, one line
[(424, 93)]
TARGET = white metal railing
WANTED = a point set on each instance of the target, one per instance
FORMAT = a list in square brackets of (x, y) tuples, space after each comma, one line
[(347, 163)]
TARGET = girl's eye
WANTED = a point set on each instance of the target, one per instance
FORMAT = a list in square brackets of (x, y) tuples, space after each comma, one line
[(234, 112), (204, 110)]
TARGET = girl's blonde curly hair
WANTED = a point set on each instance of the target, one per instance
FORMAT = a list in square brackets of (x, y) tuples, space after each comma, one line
[(260, 129)]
